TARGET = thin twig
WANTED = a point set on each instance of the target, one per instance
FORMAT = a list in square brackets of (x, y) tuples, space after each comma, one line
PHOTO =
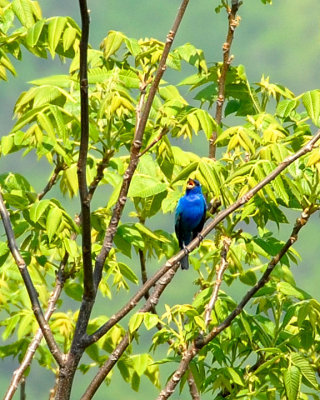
[(144, 276), (34, 344), (33, 295), (163, 132), (52, 181), (195, 242), (219, 271), (195, 395), (99, 175), (233, 22), (201, 342)]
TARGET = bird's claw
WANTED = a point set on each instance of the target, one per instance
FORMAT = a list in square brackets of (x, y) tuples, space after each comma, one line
[(200, 237), (186, 251)]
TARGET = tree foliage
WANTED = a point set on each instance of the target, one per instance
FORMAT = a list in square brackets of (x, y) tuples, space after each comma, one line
[(261, 169)]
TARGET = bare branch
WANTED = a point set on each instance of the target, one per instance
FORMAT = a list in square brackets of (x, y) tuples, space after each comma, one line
[(201, 342), (52, 181), (99, 175), (233, 22), (195, 395), (83, 153), (144, 276), (23, 389), (219, 271), (195, 242), (33, 295), (136, 147), (27, 359)]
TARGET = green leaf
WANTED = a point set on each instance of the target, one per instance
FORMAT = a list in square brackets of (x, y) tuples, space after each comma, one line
[(209, 175), (145, 186), (311, 101), (305, 368), (248, 277), (289, 290), (140, 363), (207, 123), (112, 43), (292, 381), (7, 143), (55, 29), (24, 12), (235, 376), (53, 221), (25, 325), (34, 33), (69, 37), (11, 324), (135, 321), (133, 46), (285, 107), (150, 320), (37, 209), (128, 273), (63, 81), (185, 172), (74, 290)]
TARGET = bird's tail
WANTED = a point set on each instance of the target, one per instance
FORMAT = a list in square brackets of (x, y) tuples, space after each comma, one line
[(184, 262)]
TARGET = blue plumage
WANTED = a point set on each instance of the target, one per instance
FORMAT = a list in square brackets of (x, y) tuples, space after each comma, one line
[(190, 216)]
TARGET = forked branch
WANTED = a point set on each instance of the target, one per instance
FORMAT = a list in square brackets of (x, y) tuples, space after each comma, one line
[(195, 242), (201, 342), (27, 359), (120, 349)]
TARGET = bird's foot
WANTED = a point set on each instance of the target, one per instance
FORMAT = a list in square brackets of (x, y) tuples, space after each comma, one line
[(186, 251), (200, 237)]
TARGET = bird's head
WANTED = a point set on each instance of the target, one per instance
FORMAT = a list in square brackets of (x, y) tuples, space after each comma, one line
[(193, 184)]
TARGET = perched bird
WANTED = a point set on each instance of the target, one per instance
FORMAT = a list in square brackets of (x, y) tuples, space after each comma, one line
[(190, 216)]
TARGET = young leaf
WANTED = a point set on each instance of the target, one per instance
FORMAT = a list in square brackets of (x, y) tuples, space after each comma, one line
[(53, 221), (55, 30), (292, 382), (311, 101)]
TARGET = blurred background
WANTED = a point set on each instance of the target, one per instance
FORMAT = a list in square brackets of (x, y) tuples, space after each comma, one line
[(281, 41)]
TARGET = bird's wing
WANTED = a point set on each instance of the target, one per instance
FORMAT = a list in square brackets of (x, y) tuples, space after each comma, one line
[(199, 227)]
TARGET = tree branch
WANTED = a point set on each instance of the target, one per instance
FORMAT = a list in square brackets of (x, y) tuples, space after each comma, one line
[(163, 132), (52, 181), (83, 153), (27, 359), (219, 271), (201, 342), (120, 349), (233, 22), (195, 242), (99, 175), (195, 395), (136, 147), (33, 295)]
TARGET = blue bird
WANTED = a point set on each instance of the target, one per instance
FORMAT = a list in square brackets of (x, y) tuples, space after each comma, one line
[(190, 216)]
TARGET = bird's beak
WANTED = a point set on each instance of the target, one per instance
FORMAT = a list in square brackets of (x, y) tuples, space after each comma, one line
[(190, 184)]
